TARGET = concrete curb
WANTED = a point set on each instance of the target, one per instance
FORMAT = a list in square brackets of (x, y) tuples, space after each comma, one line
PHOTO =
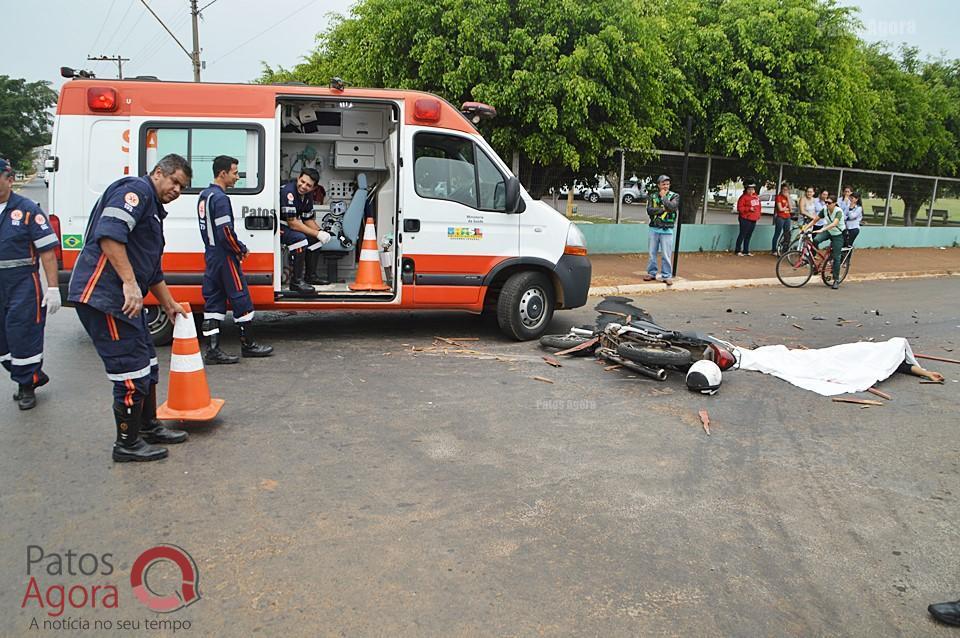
[(724, 284)]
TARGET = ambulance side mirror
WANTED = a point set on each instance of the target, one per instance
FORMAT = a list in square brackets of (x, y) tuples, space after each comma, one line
[(514, 203)]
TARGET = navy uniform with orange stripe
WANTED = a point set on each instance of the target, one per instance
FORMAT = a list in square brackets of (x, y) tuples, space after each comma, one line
[(130, 213), (223, 277), (24, 233)]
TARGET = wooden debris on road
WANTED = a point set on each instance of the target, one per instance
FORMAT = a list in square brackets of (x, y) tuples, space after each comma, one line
[(882, 395), (931, 381), (583, 346), (932, 358), (613, 367), (705, 419), (857, 401), (551, 361), (544, 379), (798, 327)]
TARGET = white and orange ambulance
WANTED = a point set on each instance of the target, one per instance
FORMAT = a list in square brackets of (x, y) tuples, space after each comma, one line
[(454, 228)]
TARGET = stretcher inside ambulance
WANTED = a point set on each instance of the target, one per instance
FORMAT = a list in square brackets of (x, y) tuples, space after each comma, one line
[(421, 213)]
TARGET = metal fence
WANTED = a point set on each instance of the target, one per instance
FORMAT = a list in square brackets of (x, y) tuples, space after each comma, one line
[(714, 183)]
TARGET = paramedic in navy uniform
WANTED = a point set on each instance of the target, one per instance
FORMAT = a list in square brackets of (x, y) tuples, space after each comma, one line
[(299, 230), (119, 263), (223, 276), (24, 234)]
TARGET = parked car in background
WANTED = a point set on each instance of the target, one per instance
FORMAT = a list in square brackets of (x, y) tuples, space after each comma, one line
[(630, 192)]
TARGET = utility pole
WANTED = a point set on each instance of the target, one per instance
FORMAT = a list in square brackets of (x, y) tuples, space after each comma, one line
[(115, 58), (195, 15)]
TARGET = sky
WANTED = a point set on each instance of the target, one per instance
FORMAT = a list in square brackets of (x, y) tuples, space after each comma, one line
[(237, 35)]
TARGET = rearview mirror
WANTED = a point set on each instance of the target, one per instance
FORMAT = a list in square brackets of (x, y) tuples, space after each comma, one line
[(515, 203)]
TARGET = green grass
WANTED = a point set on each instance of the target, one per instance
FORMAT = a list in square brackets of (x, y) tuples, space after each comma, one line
[(896, 210)]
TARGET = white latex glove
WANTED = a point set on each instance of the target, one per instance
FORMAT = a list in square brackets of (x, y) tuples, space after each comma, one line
[(51, 300), (323, 236)]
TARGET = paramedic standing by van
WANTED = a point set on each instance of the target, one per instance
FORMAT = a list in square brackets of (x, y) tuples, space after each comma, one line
[(299, 230), (24, 233), (119, 263), (223, 276)]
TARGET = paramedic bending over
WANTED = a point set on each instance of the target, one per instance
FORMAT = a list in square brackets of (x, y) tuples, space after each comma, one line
[(299, 230)]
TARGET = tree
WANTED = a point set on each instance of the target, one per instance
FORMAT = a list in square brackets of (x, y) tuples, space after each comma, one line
[(571, 80), (24, 119)]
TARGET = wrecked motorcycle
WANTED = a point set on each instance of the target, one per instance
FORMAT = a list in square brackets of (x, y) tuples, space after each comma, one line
[(639, 344)]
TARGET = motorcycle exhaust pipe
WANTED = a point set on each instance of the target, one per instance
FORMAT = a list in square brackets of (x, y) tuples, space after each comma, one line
[(654, 373)]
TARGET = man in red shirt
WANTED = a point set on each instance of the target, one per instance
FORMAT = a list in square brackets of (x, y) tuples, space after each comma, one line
[(782, 211), (748, 207)]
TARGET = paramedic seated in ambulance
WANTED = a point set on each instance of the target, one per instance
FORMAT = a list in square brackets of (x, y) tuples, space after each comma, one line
[(299, 230)]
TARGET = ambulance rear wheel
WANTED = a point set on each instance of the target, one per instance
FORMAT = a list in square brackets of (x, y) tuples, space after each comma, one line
[(525, 305), (159, 325)]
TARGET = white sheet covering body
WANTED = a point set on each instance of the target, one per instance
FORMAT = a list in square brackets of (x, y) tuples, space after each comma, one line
[(848, 367)]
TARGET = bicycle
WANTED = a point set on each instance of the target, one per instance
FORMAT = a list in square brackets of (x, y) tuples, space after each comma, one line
[(789, 240), (798, 265)]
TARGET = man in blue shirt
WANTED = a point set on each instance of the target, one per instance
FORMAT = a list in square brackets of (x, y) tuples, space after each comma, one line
[(223, 276), (119, 263), (662, 208), (24, 234)]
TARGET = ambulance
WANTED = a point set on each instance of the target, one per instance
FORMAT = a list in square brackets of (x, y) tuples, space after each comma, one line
[(454, 229)]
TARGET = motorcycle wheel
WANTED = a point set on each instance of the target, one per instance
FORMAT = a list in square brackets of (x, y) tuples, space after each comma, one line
[(669, 356), (565, 342)]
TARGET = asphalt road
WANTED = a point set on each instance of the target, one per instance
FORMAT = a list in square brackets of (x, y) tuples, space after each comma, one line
[(356, 486)]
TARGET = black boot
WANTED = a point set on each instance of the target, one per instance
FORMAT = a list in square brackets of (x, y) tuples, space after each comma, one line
[(248, 345), (129, 446), (26, 396), (313, 261), (152, 430), (948, 613), (214, 355), (297, 284)]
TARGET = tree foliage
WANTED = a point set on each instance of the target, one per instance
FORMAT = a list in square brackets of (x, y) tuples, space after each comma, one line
[(24, 119), (766, 81)]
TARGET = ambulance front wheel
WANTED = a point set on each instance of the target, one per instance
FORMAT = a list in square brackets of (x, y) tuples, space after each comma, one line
[(525, 305), (159, 325)]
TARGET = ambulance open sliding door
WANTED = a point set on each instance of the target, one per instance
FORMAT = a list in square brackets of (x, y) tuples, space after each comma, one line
[(455, 228)]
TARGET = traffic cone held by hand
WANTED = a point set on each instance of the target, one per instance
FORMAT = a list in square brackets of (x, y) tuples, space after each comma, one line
[(368, 273), (188, 396)]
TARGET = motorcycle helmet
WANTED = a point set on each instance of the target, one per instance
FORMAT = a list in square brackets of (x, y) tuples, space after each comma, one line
[(704, 377)]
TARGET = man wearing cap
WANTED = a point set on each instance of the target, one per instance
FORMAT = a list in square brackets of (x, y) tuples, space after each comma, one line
[(748, 207), (24, 234), (119, 263), (662, 209)]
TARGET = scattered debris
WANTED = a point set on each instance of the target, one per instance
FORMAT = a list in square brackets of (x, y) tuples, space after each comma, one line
[(268, 484), (875, 312), (798, 327), (705, 419), (551, 361), (729, 309), (544, 379), (857, 401), (819, 318), (582, 346), (931, 381), (614, 367), (882, 395), (932, 358)]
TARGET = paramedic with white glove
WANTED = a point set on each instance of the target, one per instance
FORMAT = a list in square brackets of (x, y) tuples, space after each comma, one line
[(26, 239), (299, 230)]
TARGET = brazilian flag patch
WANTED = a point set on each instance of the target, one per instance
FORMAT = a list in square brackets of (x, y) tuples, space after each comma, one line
[(73, 242)]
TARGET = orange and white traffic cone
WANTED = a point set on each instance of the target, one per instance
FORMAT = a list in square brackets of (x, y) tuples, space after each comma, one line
[(368, 273), (188, 395)]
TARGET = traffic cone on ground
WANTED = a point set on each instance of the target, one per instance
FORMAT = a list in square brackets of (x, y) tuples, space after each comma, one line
[(188, 395), (368, 273)]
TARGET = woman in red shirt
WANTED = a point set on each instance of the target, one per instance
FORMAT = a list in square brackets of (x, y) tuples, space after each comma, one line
[(782, 211), (748, 206)]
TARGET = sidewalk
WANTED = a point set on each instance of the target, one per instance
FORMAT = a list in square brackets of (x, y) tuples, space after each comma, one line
[(719, 270)]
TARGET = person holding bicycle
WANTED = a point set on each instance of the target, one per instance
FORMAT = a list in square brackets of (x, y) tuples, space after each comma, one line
[(783, 211), (832, 231)]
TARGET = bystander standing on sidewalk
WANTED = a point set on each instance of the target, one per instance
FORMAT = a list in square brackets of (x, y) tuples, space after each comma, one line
[(819, 205), (807, 206), (844, 201), (853, 217), (783, 211), (662, 208), (748, 209)]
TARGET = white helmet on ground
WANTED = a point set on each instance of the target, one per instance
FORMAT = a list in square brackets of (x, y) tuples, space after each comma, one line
[(705, 377)]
